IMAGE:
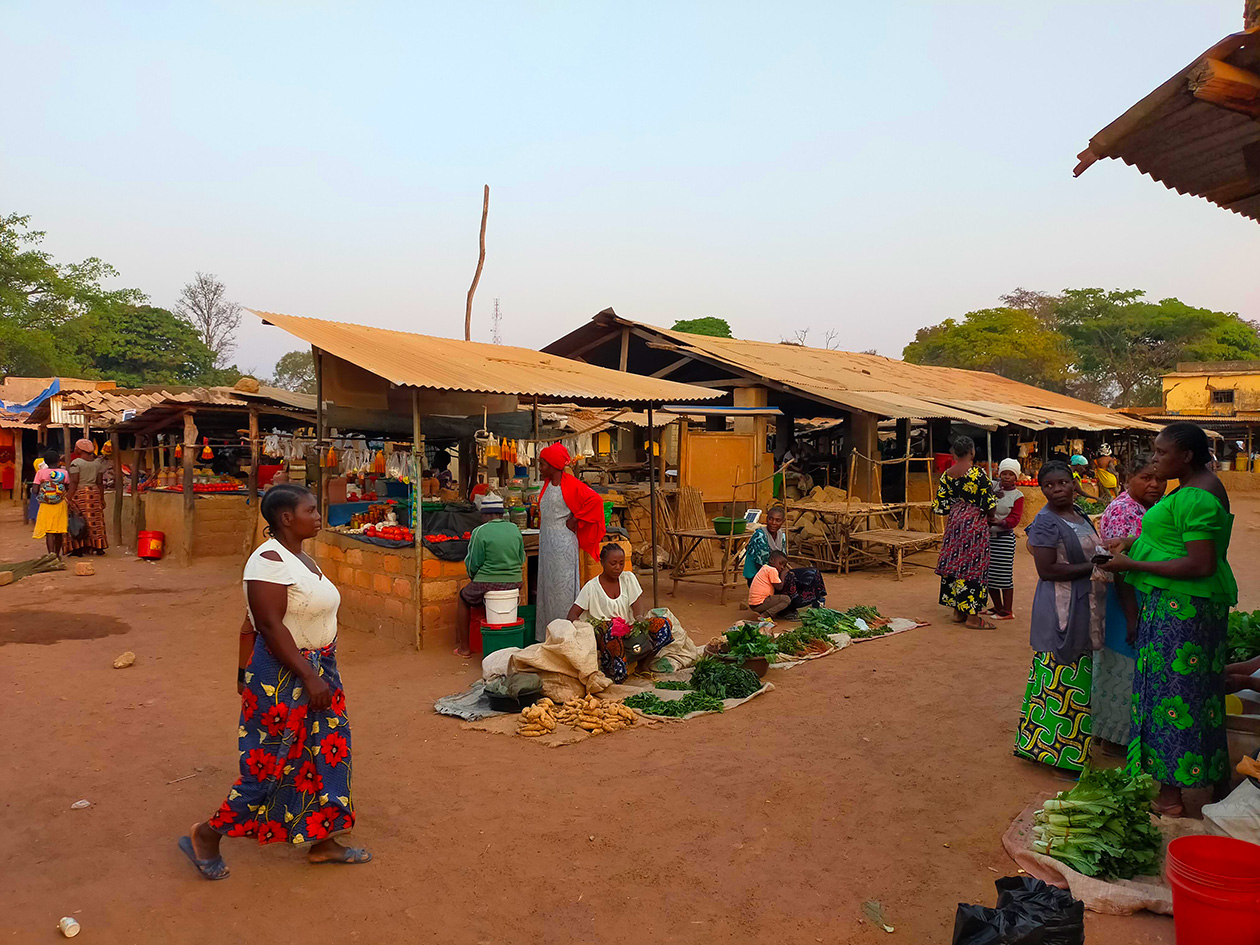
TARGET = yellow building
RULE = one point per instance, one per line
(1221, 396)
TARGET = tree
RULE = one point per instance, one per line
(295, 371)
(1123, 343)
(140, 345)
(39, 297)
(711, 326)
(1012, 342)
(203, 305)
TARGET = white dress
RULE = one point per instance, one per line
(557, 561)
(596, 603)
(311, 614)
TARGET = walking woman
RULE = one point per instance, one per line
(1111, 703)
(1179, 563)
(1055, 726)
(966, 496)
(294, 734)
(1008, 511)
(51, 518)
(571, 520)
(87, 499)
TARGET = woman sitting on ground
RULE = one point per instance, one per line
(1055, 725)
(616, 592)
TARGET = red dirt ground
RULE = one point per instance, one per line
(884, 772)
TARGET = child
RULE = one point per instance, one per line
(52, 519)
(1006, 516)
(765, 593)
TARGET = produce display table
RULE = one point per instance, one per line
(838, 522)
(688, 540)
(895, 542)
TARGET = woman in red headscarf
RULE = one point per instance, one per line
(571, 520)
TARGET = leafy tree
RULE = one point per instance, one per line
(1008, 341)
(38, 297)
(1124, 343)
(714, 327)
(204, 305)
(295, 371)
(140, 345)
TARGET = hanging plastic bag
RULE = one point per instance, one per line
(1029, 912)
(207, 454)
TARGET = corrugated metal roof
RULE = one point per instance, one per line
(1189, 145)
(108, 406)
(424, 361)
(891, 388)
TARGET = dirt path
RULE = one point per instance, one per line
(884, 772)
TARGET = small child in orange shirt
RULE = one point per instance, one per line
(765, 593)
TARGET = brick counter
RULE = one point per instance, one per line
(377, 589)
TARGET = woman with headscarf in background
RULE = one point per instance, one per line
(1006, 515)
(87, 500)
(1105, 473)
(966, 496)
(570, 521)
(50, 492)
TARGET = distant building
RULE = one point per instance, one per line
(1223, 397)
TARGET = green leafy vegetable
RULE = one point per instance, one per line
(745, 641)
(652, 704)
(1244, 636)
(1090, 506)
(1102, 826)
(803, 639)
(674, 684)
(724, 680)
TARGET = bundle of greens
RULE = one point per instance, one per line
(745, 641)
(1244, 636)
(807, 638)
(652, 704)
(834, 621)
(1102, 826)
(861, 611)
(674, 684)
(1090, 506)
(723, 680)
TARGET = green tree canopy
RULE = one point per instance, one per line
(714, 327)
(295, 371)
(1008, 341)
(140, 345)
(1106, 346)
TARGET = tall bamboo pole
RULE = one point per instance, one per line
(652, 503)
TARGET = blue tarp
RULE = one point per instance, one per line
(10, 407)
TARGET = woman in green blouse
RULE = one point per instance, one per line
(1179, 564)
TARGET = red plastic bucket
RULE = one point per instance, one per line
(1215, 890)
(150, 544)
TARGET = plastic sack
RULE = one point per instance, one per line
(1028, 912)
(514, 685)
(1237, 816)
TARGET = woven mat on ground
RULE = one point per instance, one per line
(1113, 897)
(568, 735)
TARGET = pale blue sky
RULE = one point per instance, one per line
(867, 167)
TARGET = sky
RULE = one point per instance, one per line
(867, 168)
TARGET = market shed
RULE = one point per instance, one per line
(420, 388)
(187, 461)
(760, 379)
(1198, 133)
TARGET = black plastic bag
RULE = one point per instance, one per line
(443, 532)
(1029, 912)
(76, 525)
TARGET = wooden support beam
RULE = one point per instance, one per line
(190, 453)
(671, 368)
(255, 457)
(116, 454)
(320, 426)
(417, 470)
(137, 509)
(1219, 83)
(625, 349)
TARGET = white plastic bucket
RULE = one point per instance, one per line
(501, 607)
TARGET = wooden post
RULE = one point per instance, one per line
(136, 509)
(652, 504)
(65, 443)
(417, 464)
(255, 457)
(536, 437)
(320, 447)
(624, 360)
(19, 461)
(116, 452)
(190, 453)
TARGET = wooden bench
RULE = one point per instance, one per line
(896, 542)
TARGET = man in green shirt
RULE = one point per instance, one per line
(495, 562)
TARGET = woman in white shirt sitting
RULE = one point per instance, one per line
(615, 593)
(294, 735)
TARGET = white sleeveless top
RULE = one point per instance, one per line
(311, 616)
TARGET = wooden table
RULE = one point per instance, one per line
(688, 540)
(897, 542)
(839, 521)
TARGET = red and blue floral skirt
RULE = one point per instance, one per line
(295, 763)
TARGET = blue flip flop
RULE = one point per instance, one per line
(210, 869)
(351, 857)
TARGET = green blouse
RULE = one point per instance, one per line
(1188, 514)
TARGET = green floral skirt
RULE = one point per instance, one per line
(1179, 691)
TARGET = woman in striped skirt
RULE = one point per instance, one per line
(1010, 509)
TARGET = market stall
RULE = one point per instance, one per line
(463, 399)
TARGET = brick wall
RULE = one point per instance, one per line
(377, 589)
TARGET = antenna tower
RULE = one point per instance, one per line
(495, 335)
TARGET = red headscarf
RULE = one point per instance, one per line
(583, 501)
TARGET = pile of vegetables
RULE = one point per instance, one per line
(1102, 826)
(805, 639)
(650, 703)
(723, 680)
(1091, 506)
(677, 684)
(822, 620)
(746, 641)
(1244, 636)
